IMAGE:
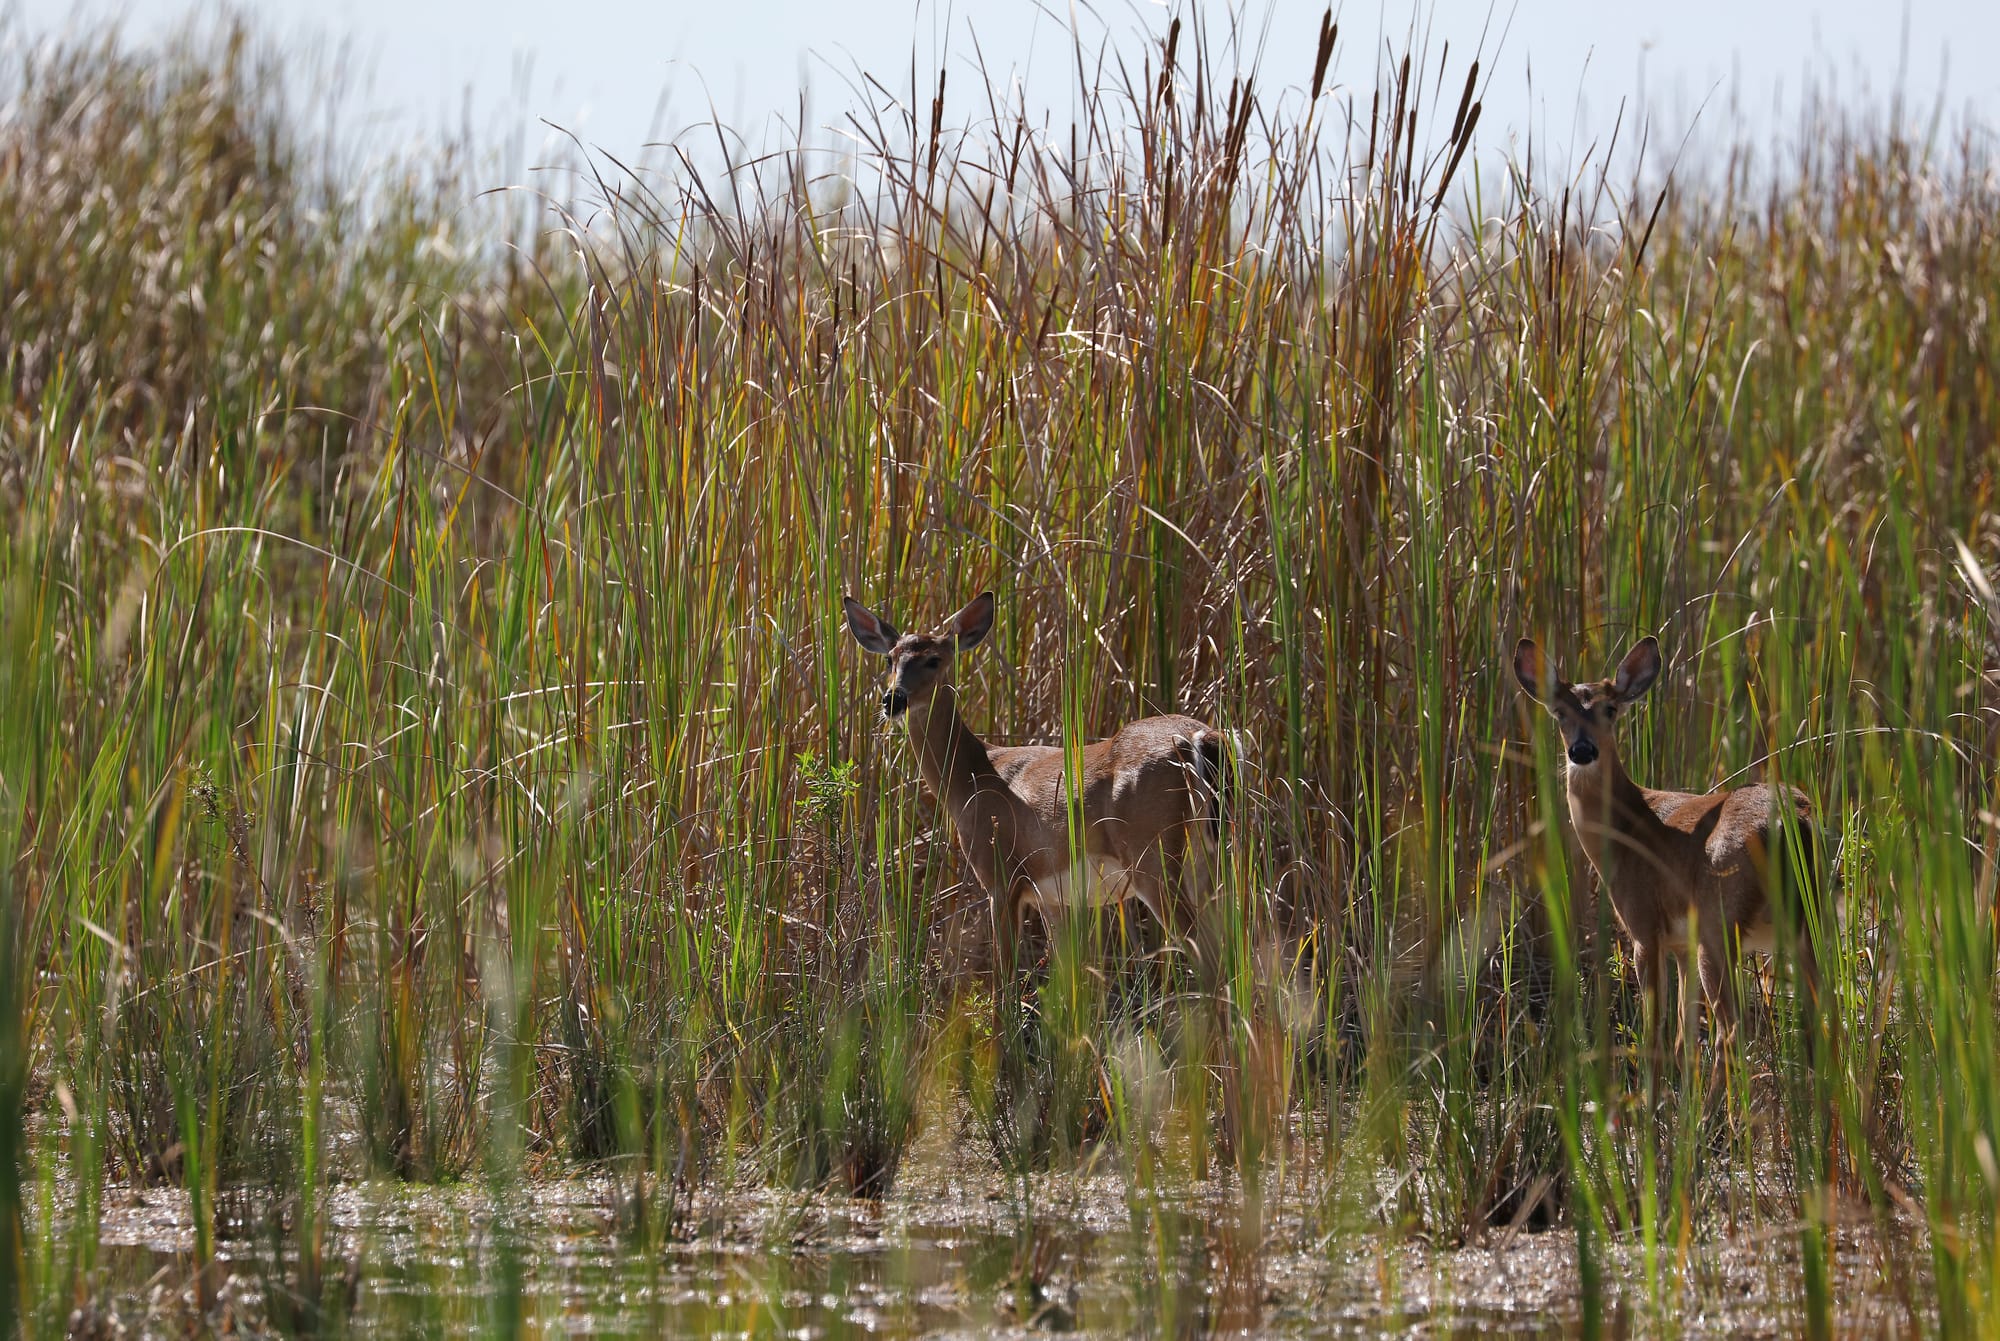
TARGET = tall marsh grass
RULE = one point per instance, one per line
(429, 748)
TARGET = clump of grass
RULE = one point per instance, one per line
(494, 598)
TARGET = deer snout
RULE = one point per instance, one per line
(1583, 751)
(894, 702)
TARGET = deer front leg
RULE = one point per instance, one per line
(1006, 911)
(1651, 967)
(1003, 902)
(1011, 1030)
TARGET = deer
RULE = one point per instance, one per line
(1151, 813)
(1708, 874)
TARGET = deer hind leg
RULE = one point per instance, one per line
(1819, 1041)
(1818, 1022)
(1796, 889)
(1718, 987)
(1146, 881)
(1718, 984)
(1173, 885)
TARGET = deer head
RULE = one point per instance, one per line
(1586, 712)
(919, 663)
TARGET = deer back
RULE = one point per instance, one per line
(1724, 853)
(1154, 783)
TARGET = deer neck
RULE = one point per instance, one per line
(1603, 800)
(952, 760)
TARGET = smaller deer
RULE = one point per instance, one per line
(1152, 793)
(1684, 871)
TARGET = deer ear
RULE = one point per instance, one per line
(1530, 669)
(877, 635)
(971, 625)
(1638, 670)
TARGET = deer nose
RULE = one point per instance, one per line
(894, 702)
(1584, 752)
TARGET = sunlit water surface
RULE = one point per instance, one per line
(955, 1250)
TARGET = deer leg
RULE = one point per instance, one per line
(1003, 902)
(1147, 879)
(1009, 1021)
(1006, 911)
(1687, 1002)
(1806, 990)
(1162, 883)
(1651, 967)
(1056, 925)
(1718, 988)
(1816, 1019)
(1197, 868)
(1006, 899)
(1718, 985)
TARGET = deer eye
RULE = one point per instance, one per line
(932, 662)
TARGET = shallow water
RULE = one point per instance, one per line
(956, 1250)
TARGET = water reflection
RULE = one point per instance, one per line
(944, 1256)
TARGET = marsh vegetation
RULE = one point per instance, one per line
(457, 878)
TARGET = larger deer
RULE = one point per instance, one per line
(1151, 810)
(1686, 872)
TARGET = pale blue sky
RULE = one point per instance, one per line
(616, 71)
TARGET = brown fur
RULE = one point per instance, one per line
(1151, 792)
(1685, 872)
